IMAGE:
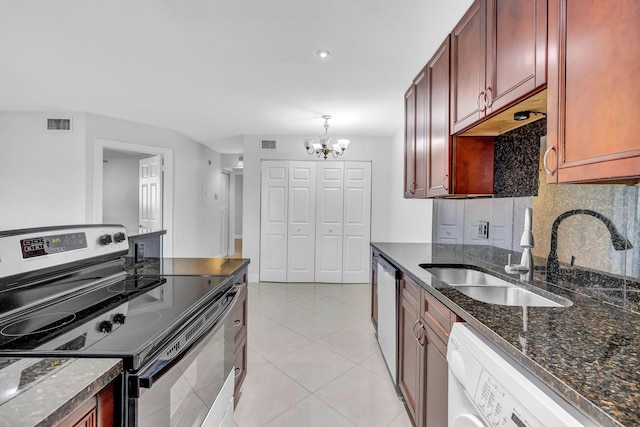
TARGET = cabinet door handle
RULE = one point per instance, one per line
(418, 332)
(415, 330)
(445, 180)
(544, 161)
(237, 322)
(481, 95)
(488, 98)
(412, 188)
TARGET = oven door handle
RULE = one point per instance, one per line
(187, 341)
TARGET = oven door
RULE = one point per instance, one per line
(183, 390)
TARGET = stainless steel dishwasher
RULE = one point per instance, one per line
(387, 289)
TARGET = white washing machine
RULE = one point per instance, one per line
(488, 388)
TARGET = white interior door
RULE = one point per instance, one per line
(302, 222)
(224, 214)
(273, 221)
(329, 222)
(150, 199)
(357, 222)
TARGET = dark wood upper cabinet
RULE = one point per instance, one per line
(516, 50)
(468, 67)
(438, 134)
(593, 91)
(498, 58)
(415, 106)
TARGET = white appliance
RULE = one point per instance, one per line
(387, 314)
(489, 388)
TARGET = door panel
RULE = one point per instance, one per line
(357, 222)
(329, 223)
(302, 221)
(468, 52)
(273, 221)
(150, 196)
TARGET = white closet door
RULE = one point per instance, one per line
(302, 222)
(329, 222)
(357, 222)
(273, 221)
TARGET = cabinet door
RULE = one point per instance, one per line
(435, 390)
(593, 90)
(374, 292)
(329, 222)
(301, 226)
(409, 142)
(516, 50)
(438, 123)
(468, 56)
(273, 221)
(357, 222)
(409, 355)
(421, 139)
(415, 164)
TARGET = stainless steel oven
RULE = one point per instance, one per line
(191, 380)
(65, 292)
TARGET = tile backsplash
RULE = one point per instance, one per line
(585, 250)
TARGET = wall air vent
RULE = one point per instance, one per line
(267, 144)
(59, 124)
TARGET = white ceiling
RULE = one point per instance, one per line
(216, 69)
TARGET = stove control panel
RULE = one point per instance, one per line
(53, 244)
(28, 250)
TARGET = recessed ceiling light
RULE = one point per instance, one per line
(322, 53)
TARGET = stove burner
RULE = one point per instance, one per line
(37, 324)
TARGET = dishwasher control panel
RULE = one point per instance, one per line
(498, 407)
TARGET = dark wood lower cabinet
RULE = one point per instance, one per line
(374, 290)
(435, 381)
(409, 354)
(98, 411)
(240, 320)
(423, 326)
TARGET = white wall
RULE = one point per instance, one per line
(374, 149)
(196, 214)
(46, 177)
(120, 192)
(42, 173)
(409, 219)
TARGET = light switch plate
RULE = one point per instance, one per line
(483, 229)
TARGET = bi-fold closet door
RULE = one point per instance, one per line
(315, 221)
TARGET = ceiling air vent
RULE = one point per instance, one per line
(267, 144)
(59, 124)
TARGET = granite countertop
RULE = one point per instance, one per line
(44, 391)
(139, 236)
(588, 352)
(187, 266)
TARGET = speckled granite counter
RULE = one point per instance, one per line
(589, 352)
(187, 266)
(44, 391)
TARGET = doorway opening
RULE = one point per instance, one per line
(133, 186)
(235, 213)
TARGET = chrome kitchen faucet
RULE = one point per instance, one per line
(525, 268)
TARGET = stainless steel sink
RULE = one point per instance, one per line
(493, 290)
(465, 277)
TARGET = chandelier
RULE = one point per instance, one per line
(323, 146)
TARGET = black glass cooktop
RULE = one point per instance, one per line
(116, 320)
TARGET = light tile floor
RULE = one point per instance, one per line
(313, 360)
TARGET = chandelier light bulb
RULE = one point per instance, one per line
(322, 53)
